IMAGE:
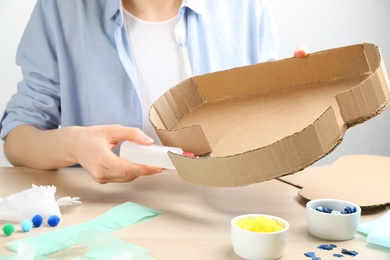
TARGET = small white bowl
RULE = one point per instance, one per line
(330, 226)
(259, 245)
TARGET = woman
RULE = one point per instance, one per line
(92, 69)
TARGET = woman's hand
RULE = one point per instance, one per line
(92, 150)
(91, 147)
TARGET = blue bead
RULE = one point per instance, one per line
(349, 210)
(310, 254)
(326, 210)
(326, 247)
(348, 252)
(323, 209)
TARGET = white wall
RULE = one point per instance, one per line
(328, 24)
(319, 25)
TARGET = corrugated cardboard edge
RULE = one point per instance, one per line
(280, 158)
(175, 103)
(371, 96)
(267, 162)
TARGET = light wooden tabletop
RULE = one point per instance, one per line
(195, 223)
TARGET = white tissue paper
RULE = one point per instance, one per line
(37, 200)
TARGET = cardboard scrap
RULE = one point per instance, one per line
(263, 121)
(361, 179)
(302, 178)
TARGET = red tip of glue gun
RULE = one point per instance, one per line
(188, 154)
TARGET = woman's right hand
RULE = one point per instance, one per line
(93, 151)
(91, 147)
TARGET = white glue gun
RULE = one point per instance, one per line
(153, 155)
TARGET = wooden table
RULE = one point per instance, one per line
(195, 223)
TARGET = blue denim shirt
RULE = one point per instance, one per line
(78, 66)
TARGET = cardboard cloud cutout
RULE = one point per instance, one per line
(263, 121)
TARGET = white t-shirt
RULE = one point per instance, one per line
(157, 59)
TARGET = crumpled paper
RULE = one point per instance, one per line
(37, 200)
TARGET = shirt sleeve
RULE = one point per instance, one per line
(37, 100)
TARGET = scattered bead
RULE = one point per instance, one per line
(37, 220)
(8, 229)
(309, 254)
(312, 255)
(327, 246)
(348, 252)
(26, 225)
(53, 221)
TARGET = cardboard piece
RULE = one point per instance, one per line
(302, 178)
(262, 121)
(361, 179)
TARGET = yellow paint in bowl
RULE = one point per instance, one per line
(260, 224)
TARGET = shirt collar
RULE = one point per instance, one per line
(195, 5)
(112, 8)
(115, 6)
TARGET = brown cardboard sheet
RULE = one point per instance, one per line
(302, 178)
(362, 179)
(263, 121)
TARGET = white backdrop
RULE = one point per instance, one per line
(325, 24)
(319, 25)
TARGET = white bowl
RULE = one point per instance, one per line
(259, 245)
(330, 226)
